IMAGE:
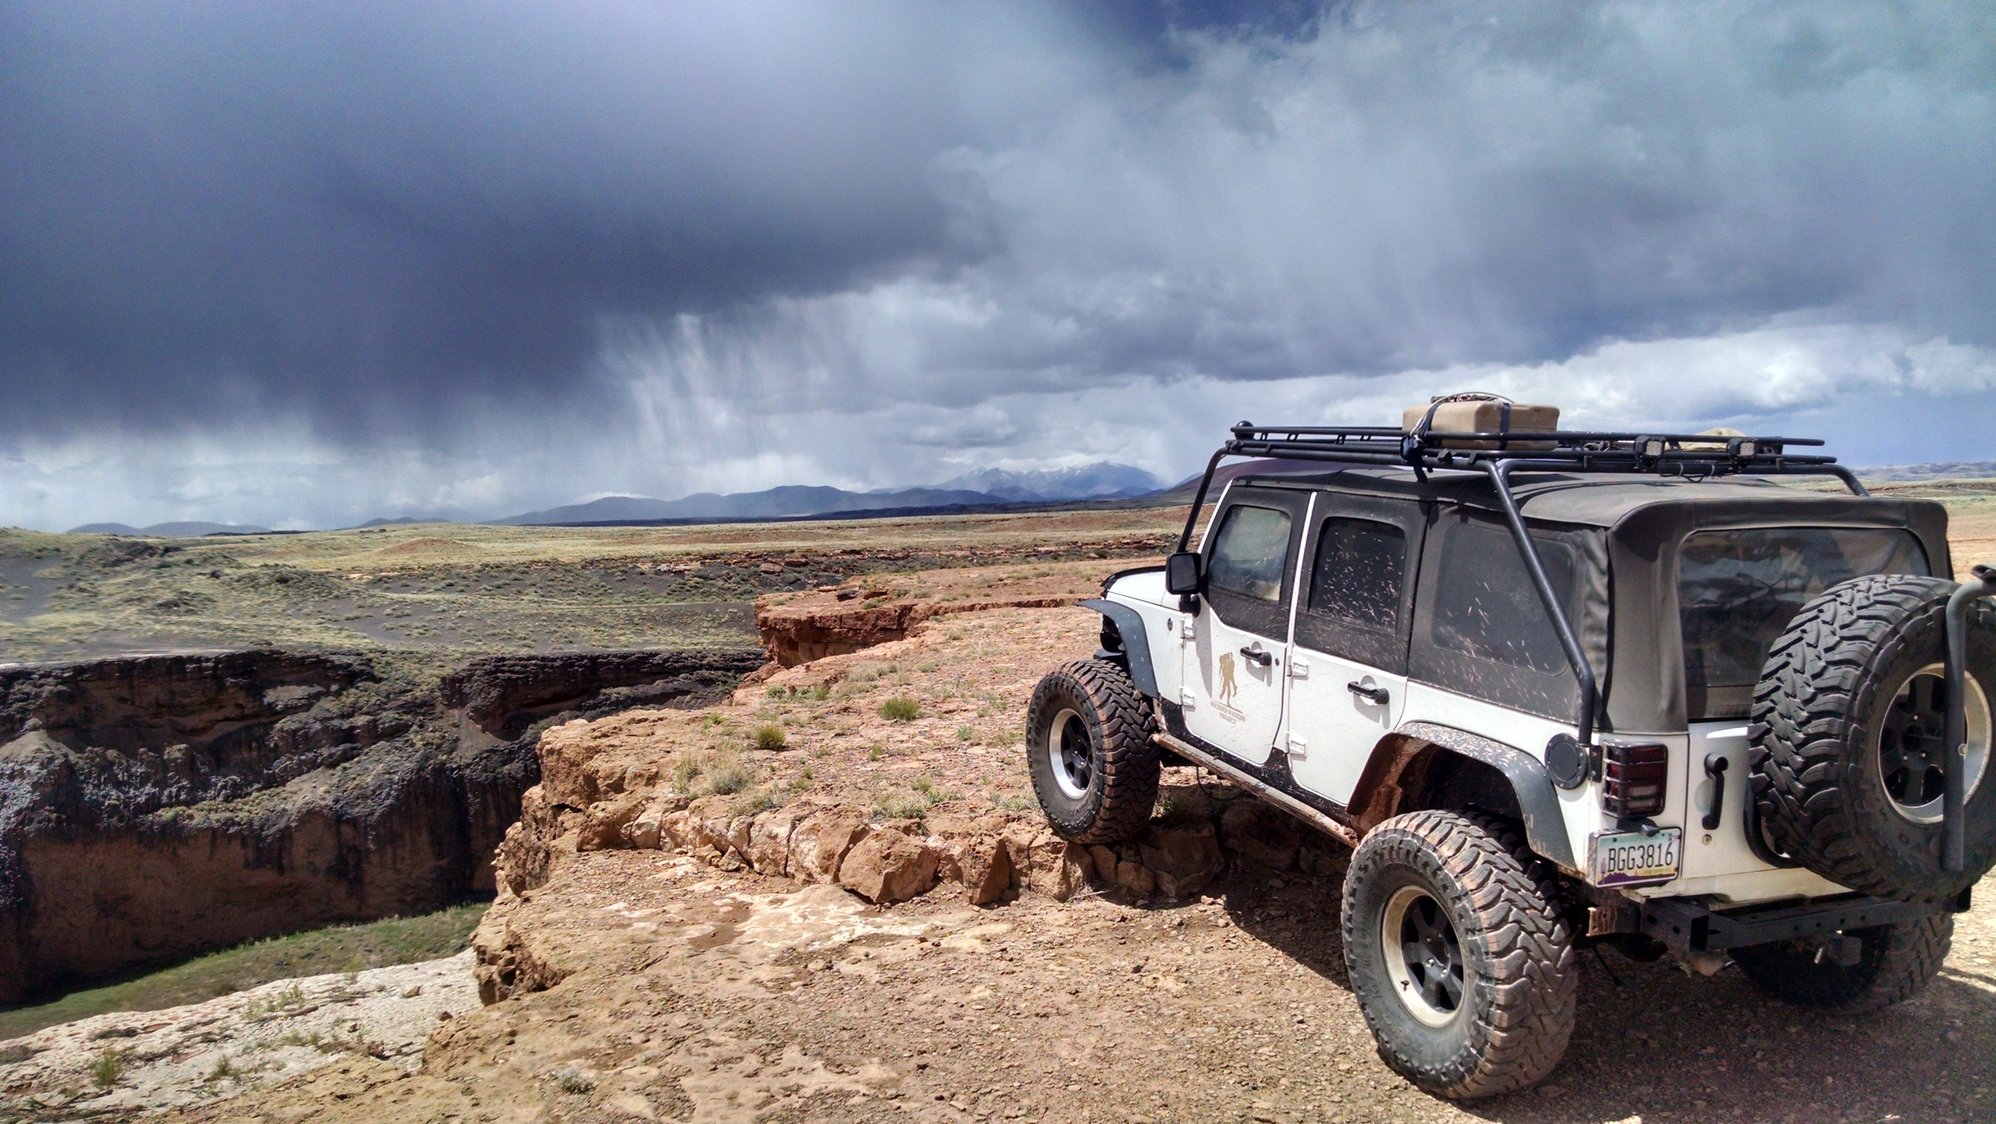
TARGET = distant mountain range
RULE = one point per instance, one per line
(183, 530)
(977, 489)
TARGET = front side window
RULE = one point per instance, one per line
(1251, 553)
(1737, 589)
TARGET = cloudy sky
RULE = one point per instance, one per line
(304, 266)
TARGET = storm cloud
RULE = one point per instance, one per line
(273, 264)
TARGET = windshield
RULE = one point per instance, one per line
(1737, 589)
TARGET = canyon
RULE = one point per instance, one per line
(155, 806)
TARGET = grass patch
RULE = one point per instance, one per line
(107, 1067)
(376, 944)
(900, 708)
(770, 736)
(914, 804)
(719, 774)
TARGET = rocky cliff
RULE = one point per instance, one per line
(159, 805)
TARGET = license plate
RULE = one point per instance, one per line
(1632, 858)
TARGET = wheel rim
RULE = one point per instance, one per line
(1071, 754)
(1423, 955)
(1912, 743)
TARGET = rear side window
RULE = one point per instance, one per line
(1357, 590)
(1485, 605)
(1251, 553)
(1737, 589)
(1355, 578)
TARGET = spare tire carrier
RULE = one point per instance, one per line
(1954, 796)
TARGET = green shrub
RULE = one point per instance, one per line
(900, 708)
(727, 775)
(770, 736)
(108, 1067)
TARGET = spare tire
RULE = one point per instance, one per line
(1848, 732)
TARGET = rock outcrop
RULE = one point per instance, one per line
(156, 806)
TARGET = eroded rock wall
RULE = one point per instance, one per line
(152, 807)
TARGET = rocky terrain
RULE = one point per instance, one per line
(117, 1065)
(159, 805)
(867, 921)
(830, 897)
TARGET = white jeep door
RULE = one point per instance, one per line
(1232, 697)
(1348, 665)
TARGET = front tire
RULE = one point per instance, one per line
(1458, 954)
(1895, 963)
(1089, 749)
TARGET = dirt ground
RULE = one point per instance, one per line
(711, 997)
(681, 992)
(698, 995)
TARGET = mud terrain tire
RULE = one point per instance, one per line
(1846, 738)
(1510, 951)
(1895, 963)
(1088, 746)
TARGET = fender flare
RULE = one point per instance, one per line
(1136, 644)
(1538, 800)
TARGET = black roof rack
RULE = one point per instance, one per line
(1695, 456)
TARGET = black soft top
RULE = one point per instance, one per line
(1637, 511)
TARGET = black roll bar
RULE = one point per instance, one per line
(1954, 797)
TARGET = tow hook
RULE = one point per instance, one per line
(1954, 796)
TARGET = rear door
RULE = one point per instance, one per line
(1234, 673)
(1348, 668)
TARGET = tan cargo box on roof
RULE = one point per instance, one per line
(1482, 415)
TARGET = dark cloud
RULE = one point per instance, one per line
(263, 206)
(443, 246)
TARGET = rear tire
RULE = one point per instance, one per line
(1458, 955)
(1088, 747)
(1895, 963)
(1847, 736)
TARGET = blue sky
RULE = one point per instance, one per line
(303, 268)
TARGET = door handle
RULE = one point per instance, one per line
(1255, 655)
(1374, 695)
(1715, 768)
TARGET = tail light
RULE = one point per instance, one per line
(1633, 778)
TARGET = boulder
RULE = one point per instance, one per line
(1260, 834)
(820, 842)
(888, 866)
(1135, 879)
(646, 830)
(603, 824)
(1182, 857)
(769, 841)
(1052, 866)
(984, 867)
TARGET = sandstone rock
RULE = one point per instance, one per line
(984, 867)
(1260, 834)
(716, 844)
(1135, 879)
(820, 842)
(769, 842)
(679, 831)
(888, 866)
(1182, 857)
(1055, 867)
(603, 824)
(643, 833)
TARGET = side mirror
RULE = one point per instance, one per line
(1181, 573)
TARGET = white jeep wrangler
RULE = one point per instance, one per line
(1557, 688)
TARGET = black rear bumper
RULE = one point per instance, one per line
(1690, 925)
